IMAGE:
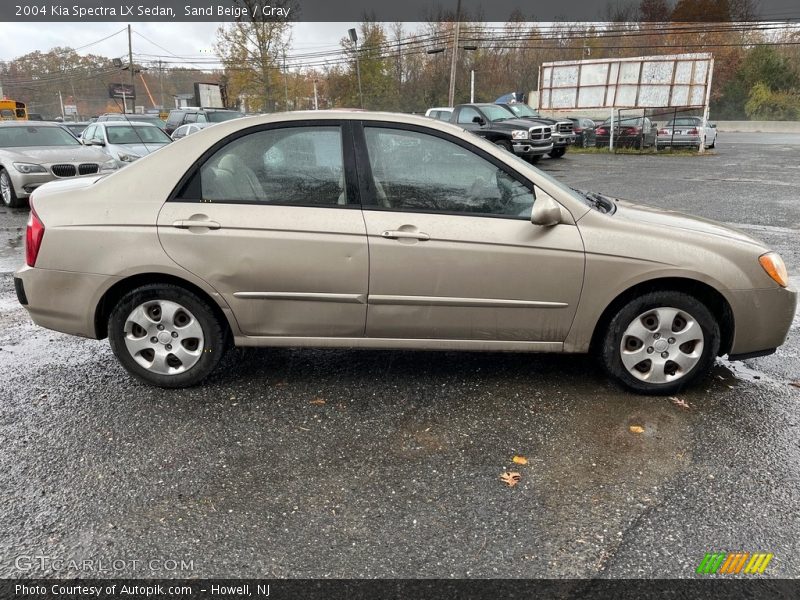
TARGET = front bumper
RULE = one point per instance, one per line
(529, 148)
(762, 318)
(25, 183)
(563, 139)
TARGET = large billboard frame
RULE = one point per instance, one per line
(662, 81)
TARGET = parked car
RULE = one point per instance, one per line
(529, 140)
(562, 130)
(33, 154)
(151, 118)
(125, 141)
(584, 129)
(33, 116)
(376, 230)
(688, 132)
(632, 132)
(189, 129)
(75, 128)
(442, 113)
(182, 116)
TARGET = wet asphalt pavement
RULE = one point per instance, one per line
(337, 463)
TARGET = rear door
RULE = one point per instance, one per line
(271, 219)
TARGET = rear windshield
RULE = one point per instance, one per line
(20, 137)
(136, 134)
(222, 115)
(691, 121)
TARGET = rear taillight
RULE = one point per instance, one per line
(33, 237)
(692, 131)
(664, 132)
(577, 130)
(602, 131)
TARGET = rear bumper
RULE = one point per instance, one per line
(678, 140)
(61, 300)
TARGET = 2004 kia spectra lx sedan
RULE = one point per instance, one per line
(356, 229)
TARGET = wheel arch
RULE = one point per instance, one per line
(113, 294)
(703, 292)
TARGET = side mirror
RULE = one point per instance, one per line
(478, 120)
(546, 212)
(713, 125)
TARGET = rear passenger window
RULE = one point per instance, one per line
(300, 166)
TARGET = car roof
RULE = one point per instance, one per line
(29, 124)
(126, 122)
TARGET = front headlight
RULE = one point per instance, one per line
(29, 168)
(124, 157)
(772, 263)
(519, 134)
(109, 165)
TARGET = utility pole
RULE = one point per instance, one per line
(472, 86)
(316, 101)
(161, 83)
(285, 82)
(454, 63)
(61, 102)
(130, 64)
(354, 38)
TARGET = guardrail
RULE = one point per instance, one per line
(758, 126)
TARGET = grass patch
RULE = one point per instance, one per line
(645, 152)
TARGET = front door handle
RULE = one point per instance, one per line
(399, 234)
(191, 223)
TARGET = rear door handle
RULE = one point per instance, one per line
(191, 223)
(399, 234)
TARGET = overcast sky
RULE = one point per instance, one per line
(183, 39)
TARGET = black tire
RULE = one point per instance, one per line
(557, 152)
(534, 159)
(714, 144)
(215, 333)
(10, 198)
(611, 351)
(505, 145)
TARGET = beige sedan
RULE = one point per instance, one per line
(370, 230)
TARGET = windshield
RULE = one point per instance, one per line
(494, 112)
(136, 134)
(20, 137)
(522, 110)
(223, 115)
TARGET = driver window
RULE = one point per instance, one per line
(467, 114)
(417, 172)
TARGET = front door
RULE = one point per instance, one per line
(453, 253)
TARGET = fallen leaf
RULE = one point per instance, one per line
(520, 460)
(680, 403)
(511, 478)
(317, 401)
(280, 383)
(795, 384)
(636, 429)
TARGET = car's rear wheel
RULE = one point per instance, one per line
(166, 335)
(7, 192)
(660, 342)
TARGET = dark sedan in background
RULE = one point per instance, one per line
(633, 132)
(584, 129)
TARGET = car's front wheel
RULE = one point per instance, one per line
(558, 152)
(660, 342)
(166, 335)
(7, 192)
